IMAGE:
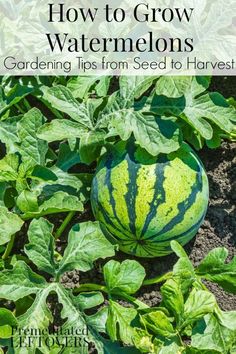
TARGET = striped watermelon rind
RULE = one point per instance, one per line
(145, 202)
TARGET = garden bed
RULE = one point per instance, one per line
(54, 252)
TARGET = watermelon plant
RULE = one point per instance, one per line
(127, 149)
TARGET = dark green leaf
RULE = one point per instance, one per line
(9, 168)
(60, 129)
(90, 146)
(209, 334)
(67, 158)
(89, 300)
(159, 324)
(40, 248)
(16, 94)
(32, 149)
(10, 223)
(120, 323)
(154, 134)
(62, 99)
(19, 282)
(43, 173)
(86, 243)
(172, 298)
(127, 276)
(198, 304)
(214, 268)
(7, 321)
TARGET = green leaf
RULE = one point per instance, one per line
(173, 347)
(186, 99)
(60, 202)
(32, 149)
(98, 320)
(127, 276)
(214, 268)
(62, 99)
(209, 334)
(3, 189)
(178, 249)
(103, 85)
(37, 317)
(8, 133)
(183, 270)
(67, 158)
(198, 304)
(60, 129)
(120, 323)
(86, 243)
(10, 223)
(154, 134)
(172, 298)
(208, 107)
(89, 300)
(75, 319)
(19, 282)
(215, 141)
(90, 146)
(227, 319)
(16, 94)
(9, 168)
(143, 341)
(191, 350)
(80, 86)
(43, 173)
(40, 248)
(133, 87)
(27, 202)
(177, 86)
(159, 324)
(114, 348)
(69, 183)
(7, 321)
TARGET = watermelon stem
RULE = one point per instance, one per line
(90, 287)
(9, 248)
(159, 279)
(132, 300)
(64, 225)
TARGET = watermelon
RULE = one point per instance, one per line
(145, 202)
